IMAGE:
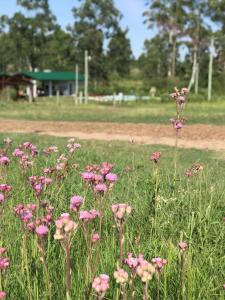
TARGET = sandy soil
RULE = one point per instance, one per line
(192, 136)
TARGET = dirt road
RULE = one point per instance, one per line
(192, 136)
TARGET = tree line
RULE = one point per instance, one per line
(190, 36)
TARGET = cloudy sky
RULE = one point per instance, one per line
(131, 9)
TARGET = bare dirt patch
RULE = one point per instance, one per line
(192, 136)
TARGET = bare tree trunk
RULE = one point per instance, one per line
(192, 80)
(211, 49)
(196, 78)
(171, 53)
(174, 56)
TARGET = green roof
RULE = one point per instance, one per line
(53, 75)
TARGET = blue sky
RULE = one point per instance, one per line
(132, 17)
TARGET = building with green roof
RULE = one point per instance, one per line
(53, 82)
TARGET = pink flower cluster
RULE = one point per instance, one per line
(4, 189)
(26, 213)
(145, 270)
(25, 161)
(86, 216)
(101, 284)
(4, 261)
(72, 146)
(195, 169)
(38, 183)
(100, 179)
(4, 160)
(2, 295)
(177, 123)
(4, 264)
(132, 262)
(155, 157)
(159, 263)
(50, 149)
(121, 276)
(180, 95)
(31, 148)
(183, 247)
(121, 211)
(76, 202)
(64, 227)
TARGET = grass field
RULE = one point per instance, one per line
(151, 112)
(192, 212)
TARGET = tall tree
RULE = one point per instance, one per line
(120, 53)
(169, 16)
(198, 32)
(95, 20)
(154, 62)
(29, 34)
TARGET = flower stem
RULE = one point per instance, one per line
(120, 245)
(146, 291)
(68, 270)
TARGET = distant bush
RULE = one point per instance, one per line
(8, 93)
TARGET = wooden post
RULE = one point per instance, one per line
(76, 85)
(114, 99)
(30, 94)
(196, 78)
(57, 97)
(81, 97)
(211, 49)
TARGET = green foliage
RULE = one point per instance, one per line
(119, 53)
(94, 21)
(8, 93)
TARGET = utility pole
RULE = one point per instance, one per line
(211, 50)
(76, 85)
(86, 60)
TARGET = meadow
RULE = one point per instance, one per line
(192, 212)
(134, 112)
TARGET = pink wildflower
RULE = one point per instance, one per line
(42, 231)
(121, 210)
(76, 202)
(2, 294)
(95, 237)
(4, 160)
(5, 187)
(145, 271)
(86, 216)
(101, 284)
(183, 247)
(2, 198)
(155, 156)
(87, 176)
(159, 263)
(121, 276)
(111, 177)
(101, 188)
(4, 263)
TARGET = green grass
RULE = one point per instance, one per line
(151, 112)
(192, 212)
